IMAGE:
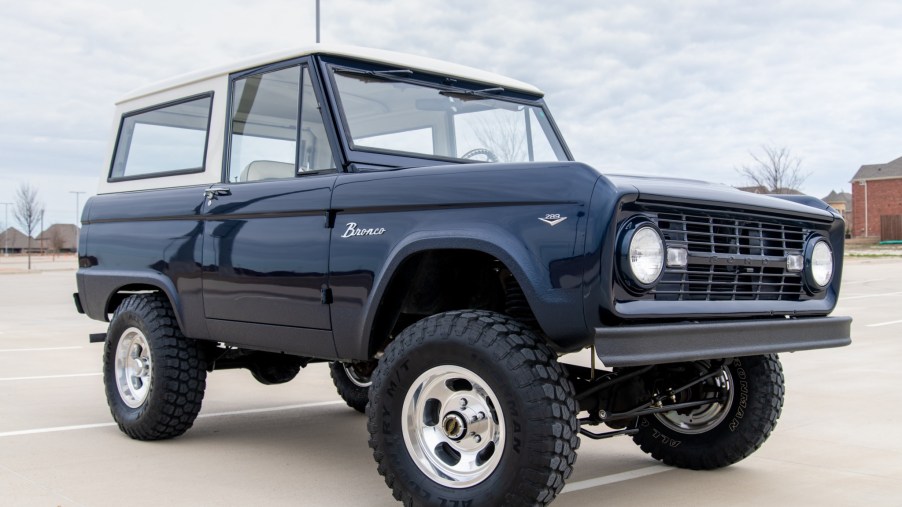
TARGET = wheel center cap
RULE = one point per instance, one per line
(454, 426)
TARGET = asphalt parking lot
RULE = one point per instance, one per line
(297, 444)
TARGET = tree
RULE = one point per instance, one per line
(28, 211)
(503, 134)
(776, 170)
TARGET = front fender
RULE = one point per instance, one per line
(557, 309)
(531, 217)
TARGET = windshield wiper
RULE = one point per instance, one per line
(385, 74)
(395, 72)
(473, 94)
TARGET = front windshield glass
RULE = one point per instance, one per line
(396, 116)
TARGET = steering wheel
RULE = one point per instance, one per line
(487, 153)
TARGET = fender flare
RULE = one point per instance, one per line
(101, 286)
(493, 241)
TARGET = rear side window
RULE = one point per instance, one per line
(164, 140)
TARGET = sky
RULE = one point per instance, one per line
(686, 89)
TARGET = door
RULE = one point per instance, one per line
(266, 244)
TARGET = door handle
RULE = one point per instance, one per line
(212, 192)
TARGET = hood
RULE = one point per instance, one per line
(678, 189)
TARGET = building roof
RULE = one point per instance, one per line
(879, 171)
(17, 239)
(67, 233)
(835, 197)
(372, 55)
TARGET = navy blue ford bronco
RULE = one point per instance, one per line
(423, 227)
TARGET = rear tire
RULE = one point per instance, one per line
(720, 434)
(352, 381)
(470, 408)
(154, 376)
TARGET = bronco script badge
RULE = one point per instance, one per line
(354, 231)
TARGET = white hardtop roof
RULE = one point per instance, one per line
(421, 63)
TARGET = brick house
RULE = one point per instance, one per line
(841, 202)
(876, 192)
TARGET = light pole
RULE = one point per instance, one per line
(6, 206)
(77, 230)
(317, 21)
(42, 234)
(77, 194)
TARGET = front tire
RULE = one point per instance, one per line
(470, 408)
(154, 377)
(722, 433)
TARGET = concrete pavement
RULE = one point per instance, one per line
(298, 444)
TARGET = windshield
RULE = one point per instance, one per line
(389, 115)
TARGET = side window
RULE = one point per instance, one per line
(316, 152)
(265, 140)
(264, 126)
(165, 140)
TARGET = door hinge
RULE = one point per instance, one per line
(327, 296)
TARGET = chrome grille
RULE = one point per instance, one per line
(733, 256)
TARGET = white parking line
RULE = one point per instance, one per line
(611, 479)
(856, 282)
(846, 298)
(51, 376)
(40, 349)
(273, 409)
(885, 323)
(215, 414)
(53, 430)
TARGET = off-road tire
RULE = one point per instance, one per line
(536, 402)
(177, 374)
(752, 416)
(355, 396)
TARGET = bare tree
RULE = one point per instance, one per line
(28, 211)
(776, 170)
(503, 134)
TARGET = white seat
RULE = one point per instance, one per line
(266, 170)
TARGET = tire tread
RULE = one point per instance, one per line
(182, 377)
(765, 404)
(534, 367)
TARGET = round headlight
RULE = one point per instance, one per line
(646, 255)
(821, 264)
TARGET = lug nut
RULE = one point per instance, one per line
(477, 438)
(463, 402)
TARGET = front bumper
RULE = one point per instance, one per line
(670, 343)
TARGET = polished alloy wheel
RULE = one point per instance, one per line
(133, 367)
(701, 419)
(357, 378)
(453, 426)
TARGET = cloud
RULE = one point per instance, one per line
(653, 87)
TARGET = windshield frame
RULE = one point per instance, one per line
(372, 158)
